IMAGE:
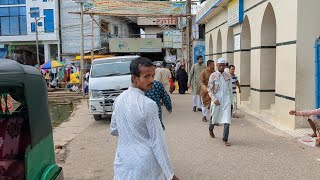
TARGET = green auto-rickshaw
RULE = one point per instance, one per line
(26, 141)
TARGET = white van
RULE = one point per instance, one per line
(109, 77)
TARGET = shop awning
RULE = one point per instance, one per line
(87, 58)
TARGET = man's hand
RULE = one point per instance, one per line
(216, 102)
(175, 177)
(292, 112)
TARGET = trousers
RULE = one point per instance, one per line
(196, 101)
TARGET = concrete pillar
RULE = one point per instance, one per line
(268, 77)
(242, 65)
(47, 52)
(230, 58)
(243, 71)
(59, 52)
(255, 80)
(263, 68)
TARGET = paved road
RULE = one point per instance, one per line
(258, 150)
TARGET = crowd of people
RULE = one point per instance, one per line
(67, 77)
(141, 134)
(142, 151)
(214, 93)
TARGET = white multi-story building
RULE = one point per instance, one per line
(18, 29)
(104, 28)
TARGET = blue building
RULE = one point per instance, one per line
(18, 29)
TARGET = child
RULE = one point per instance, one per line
(313, 120)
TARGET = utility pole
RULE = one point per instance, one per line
(37, 39)
(189, 34)
(182, 34)
(92, 38)
(81, 2)
(36, 19)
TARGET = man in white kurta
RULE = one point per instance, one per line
(142, 151)
(194, 83)
(220, 91)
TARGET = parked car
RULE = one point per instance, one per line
(109, 77)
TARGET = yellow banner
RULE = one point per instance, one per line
(135, 7)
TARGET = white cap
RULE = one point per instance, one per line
(221, 61)
(158, 65)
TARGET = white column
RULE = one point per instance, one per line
(47, 52)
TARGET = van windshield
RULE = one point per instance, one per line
(105, 69)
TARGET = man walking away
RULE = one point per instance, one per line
(158, 93)
(235, 84)
(142, 151)
(194, 82)
(220, 91)
(157, 75)
(205, 98)
(182, 78)
(163, 75)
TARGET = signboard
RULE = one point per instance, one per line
(235, 12)
(144, 21)
(172, 39)
(136, 7)
(199, 48)
(237, 42)
(125, 45)
(150, 44)
(166, 21)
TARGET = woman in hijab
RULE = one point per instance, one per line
(182, 78)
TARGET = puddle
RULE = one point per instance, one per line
(59, 113)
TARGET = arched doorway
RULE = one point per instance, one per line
(219, 45)
(245, 60)
(268, 58)
(230, 46)
(210, 48)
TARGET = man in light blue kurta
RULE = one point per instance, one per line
(220, 91)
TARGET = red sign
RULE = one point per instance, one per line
(167, 21)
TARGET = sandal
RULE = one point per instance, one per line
(204, 119)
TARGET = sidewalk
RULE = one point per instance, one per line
(296, 133)
(79, 120)
(258, 151)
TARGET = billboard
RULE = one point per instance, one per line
(172, 39)
(235, 12)
(136, 7)
(125, 45)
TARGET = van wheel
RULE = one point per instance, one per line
(97, 117)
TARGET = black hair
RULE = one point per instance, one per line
(164, 64)
(200, 56)
(231, 66)
(227, 64)
(209, 62)
(137, 63)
